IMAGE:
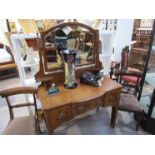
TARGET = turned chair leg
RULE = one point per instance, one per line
(139, 118)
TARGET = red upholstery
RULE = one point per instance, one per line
(131, 79)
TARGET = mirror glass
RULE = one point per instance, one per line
(71, 38)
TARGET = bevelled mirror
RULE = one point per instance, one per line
(69, 36)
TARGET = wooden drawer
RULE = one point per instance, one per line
(79, 108)
(60, 115)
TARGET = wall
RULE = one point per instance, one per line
(123, 36)
(28, 25)
(3, 29)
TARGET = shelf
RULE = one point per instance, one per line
(31, 82)
(24, 36)
(7, 66)
(26, 64)
(144, 35)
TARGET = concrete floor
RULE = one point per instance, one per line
(90, 123)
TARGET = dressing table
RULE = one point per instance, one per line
(68, 103)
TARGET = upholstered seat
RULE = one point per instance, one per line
(21, 126)
(131, 79)
(128, 101)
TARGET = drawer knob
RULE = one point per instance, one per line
(112, 98)
(62, 115)
(81, 108)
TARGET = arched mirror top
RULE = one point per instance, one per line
(73, 36)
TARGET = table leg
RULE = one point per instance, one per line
(114, 116)
(48, 122)
(115, 108)
(50, 131)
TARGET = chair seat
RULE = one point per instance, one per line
(129, 103)
(130, 79)
(21, 126)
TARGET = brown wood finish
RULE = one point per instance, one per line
(69, 103)
(71, 24)
(60, 71)
(139, 52)
(127, 72)
(18, 90)
(31, 42)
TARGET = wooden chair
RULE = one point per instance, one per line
(128, 100)
(27, 125)
(128, 76)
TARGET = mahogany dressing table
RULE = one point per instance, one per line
(68, 103)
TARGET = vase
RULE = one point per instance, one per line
(69, 61)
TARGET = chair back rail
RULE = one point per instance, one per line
(16, 91)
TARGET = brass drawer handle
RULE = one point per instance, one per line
(81, 108)
(62, 115)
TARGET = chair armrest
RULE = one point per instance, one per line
(18, 90)
(115, 65)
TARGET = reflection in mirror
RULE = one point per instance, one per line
(79, 39)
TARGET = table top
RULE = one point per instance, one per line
(82, 93)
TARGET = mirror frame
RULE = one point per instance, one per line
(44, 71)
(43, 34)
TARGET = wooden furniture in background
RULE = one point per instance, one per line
(25, 125)
(140, 48)
(32, 42)
(139, 52)
(135, 27)
(142, 40)
(51, 54)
